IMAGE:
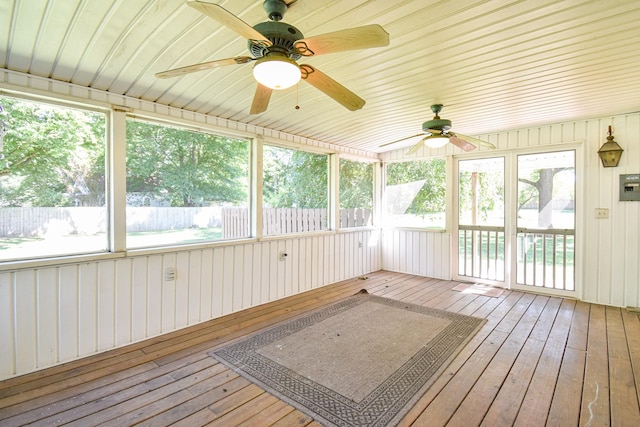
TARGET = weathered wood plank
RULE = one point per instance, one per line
(595, 408)
(471, 411)
(537, 360)
(625, 410)
(536, 403)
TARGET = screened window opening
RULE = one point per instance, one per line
(53, 199)
(546, 220)
(184, 186)
(356, 193)
(415, 194)
(295, 191)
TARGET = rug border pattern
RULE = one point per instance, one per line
(385, 403)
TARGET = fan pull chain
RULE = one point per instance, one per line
(297, 103)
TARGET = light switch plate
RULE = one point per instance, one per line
(602, 213)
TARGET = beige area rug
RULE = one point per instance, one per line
(479, 289)
(363, 361)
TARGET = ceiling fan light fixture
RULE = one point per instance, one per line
(436, 141)
(276, 71)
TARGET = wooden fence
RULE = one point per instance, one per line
(39, 221)
(235, 221)
(32, 222)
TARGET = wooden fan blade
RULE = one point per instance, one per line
(416, 147)
(340, 41)
(401, 139)
(229, 20)
(476, 141)
(332, 88)
(260, 99)
(461, 143)
(203, 66)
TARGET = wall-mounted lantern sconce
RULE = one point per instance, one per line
(610, 152)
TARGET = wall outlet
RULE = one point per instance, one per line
(169, 274)
(602, 213)
(283, 256)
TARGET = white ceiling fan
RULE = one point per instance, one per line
(276, 46)
(437, 133)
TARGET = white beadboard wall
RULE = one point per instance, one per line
(424, 253)
(609, 261)
(56, 314)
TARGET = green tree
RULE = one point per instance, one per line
(356, 184)
(295, 178)
(53, 156)
(432, 195)
(484, 188)
(185, 168)
(540, 187)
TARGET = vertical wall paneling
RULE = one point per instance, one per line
(206, 283)
(51, 328)
(425, 262)
(290, 266)
(123, 302)
(139, 292)
(155, 295)
(26, 333)
(218, 270)
(195, 287)
(293, 266)
(106, 305)
(322, 274)
(426, 253)
(406, 260)
(256, 274)
(355, 248)
(247, 278)
(597, 235)
(339, 262)
(237, 281)
(630, 139)
(327, 256)
(308, 260)
(347, 242)
(415, 252)
(68, 296)
(7, 325)
(182, 284)
(278, 273)
(88, 309)
(315, 261)
(168, 294)
(267, 270)
(620, 226)
(397, 249)
(361, 249)
(228, 287)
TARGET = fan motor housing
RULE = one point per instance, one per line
(282, 35)
(442, 125)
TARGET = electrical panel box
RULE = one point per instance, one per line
(630, 187)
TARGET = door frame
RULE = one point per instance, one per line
(510, 216)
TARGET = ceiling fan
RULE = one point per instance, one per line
(437, 133)
(276, 46)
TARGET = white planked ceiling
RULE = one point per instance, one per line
(495, 64)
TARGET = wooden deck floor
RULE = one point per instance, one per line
(538, 361)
